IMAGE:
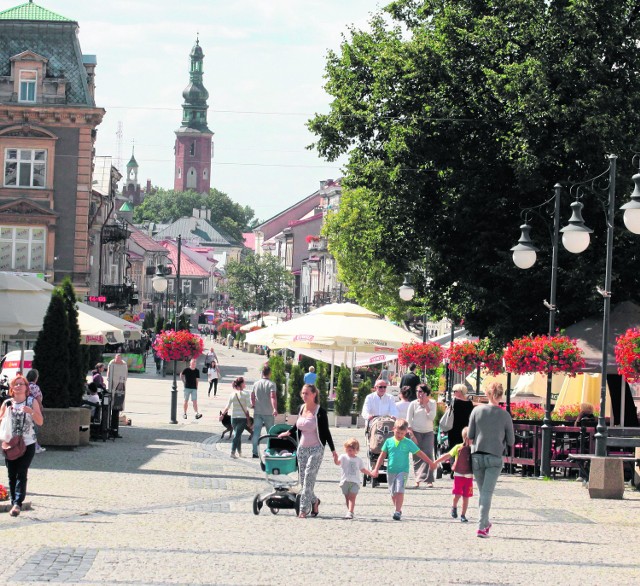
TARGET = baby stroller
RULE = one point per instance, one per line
(378, 430)
(280, 463)
(442, 447)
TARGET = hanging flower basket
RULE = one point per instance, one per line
(181, 345)
(544, 354)
(491, 362)
(464, 357)
(628, 354)
(426, 356)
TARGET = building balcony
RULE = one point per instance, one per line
(114, 233)
(319, 245)
(119, 296)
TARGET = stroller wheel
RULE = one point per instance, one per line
(274, 510)
(257, 505)
(297, 504)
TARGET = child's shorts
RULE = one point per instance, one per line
(350, 488)
(396, 482)
(462, 486)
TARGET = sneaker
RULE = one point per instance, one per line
(15, 510)
(454, 513)
(463, 519)
(483, 533)
(233, 455)
(397, 515)
(255, 456)
(40, 449)
(349, 515)
(184, 416)
(488, 527)
(198, 415)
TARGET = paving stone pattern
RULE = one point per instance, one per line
(56, 565)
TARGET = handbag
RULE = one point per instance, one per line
(246, 413)
(6, 426)
(205, 369)
(15, 447)
(446, 421)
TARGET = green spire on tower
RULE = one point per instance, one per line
(194, 108)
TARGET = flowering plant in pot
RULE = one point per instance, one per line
(181, 345)
(463, 357)
(311, 238)
(546, 354)
(527, 410)
(570, 412)
(426, 355)
(627, 352)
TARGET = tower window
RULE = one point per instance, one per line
(192, 148)
(204, 174)
(179, 173)
(192, 178)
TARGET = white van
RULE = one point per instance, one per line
(11, 363)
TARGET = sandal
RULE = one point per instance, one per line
(316, 506)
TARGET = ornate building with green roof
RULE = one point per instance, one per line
(48, 121)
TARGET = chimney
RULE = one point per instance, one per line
(148, 191)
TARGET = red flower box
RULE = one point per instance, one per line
(544, 354)
(464, 357)
(181, 345)
(426, 355)
(628, 355)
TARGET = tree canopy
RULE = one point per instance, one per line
(164, 206)
(259, 282)
(457, 115)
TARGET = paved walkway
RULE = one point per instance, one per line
(166, 505)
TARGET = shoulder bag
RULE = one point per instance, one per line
(446, 421)
(246, 414)
(15, 447)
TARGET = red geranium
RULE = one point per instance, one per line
(526, 410)
(463, 357)
(628, 354)
(426, 355)
(181, 345)
(544, 354)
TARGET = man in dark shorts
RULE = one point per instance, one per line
(190, 376)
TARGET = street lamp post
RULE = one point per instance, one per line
(575, 238)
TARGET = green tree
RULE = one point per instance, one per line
(51, 354)
(77, 361)
(296, 381)
(159, 324)
(259, 282)
(364, 388)
(321, 383)
(149, 320)
(276, 362)
(344, 392)
(456, 115)
(164, 206)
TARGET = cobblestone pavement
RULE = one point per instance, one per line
(165, 505)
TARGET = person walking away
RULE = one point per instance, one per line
(384, 374)
(230, 339)
(211, 357)
(412, 380)
(311, 376)
(190, 377)
(462, 475)
(117, 373)
(239, 404)
(462, 407)
(403, 404)
(24, 412)
(350, 477)
(264, 401)
(213, 374)
(420, 416)
(491, 431)
(36, 393)
(312, 431)
(398, 449)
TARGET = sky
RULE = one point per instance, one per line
(264, 65)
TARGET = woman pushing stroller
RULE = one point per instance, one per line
(312, 431)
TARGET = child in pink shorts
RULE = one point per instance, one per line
(462, 475)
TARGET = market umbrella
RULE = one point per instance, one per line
(130, 330)
(583, 388)
(267, 320)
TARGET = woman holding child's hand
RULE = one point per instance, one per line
(312, 432)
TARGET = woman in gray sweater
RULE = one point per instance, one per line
(491, 431)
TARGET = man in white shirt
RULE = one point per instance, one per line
(379, 403)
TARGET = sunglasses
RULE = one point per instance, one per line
(381, 386)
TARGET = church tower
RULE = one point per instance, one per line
(193, 138)
(131, 188)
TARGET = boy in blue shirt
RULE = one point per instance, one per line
(398, 448)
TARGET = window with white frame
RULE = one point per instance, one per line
(25, 167)
(22, 248)
(28, 80)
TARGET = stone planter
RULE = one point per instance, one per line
(344, 421)
(331, 416)
(360, 422)
(61, 427)
(180, 366)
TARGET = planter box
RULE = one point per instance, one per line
(180, 366)
(331, 416)
(61, 427)
(360, 422)
(344, 421)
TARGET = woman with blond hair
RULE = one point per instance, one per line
(462, 407)
(491, 431)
